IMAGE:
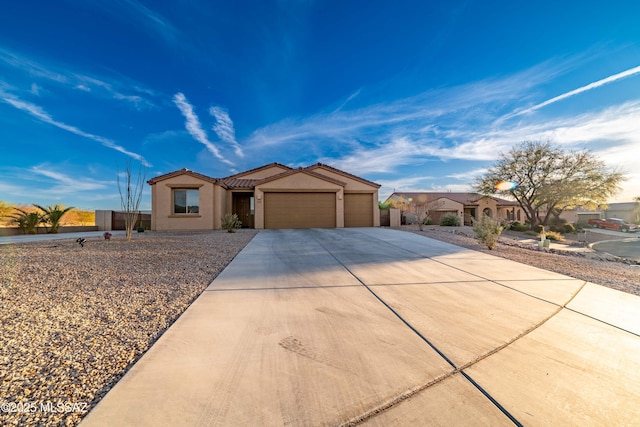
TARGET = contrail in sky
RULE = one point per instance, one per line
(610, 79)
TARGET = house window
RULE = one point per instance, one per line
(186, 201)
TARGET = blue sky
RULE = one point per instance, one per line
(414, 95)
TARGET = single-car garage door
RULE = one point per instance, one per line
(299, 210)
(358, 210)
(436, 216)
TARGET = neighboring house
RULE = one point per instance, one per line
(629, 212)
(465, 205)
(271, 196)
(580, 216)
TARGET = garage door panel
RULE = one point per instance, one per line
(358, 210)
(299, 210)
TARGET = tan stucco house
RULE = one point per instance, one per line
(465, 205)
(271, 196)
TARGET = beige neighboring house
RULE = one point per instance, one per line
(464, 205)
(629, 212)
(271, 196)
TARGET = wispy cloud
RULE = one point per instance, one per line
(455, 123)
(46, 184)
(152, 20)
(628, 73)
(468, 175)
(66, 184)
(224, 129)
(120, 90)
(35, 89)
(31, 67)
(192, 124)
(410, 115)
(346, 101)
(37, 112)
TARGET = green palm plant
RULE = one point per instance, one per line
(27, 221)
(53, 215)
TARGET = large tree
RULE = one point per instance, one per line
(545, 180)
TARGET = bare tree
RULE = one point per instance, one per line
(130, 196)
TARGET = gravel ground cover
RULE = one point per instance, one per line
(74, 319)
(602, 269)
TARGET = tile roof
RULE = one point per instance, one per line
(468, 199)
(341, 172)
(301, 170)
(259, 168)
(239, 182)
(183, 171)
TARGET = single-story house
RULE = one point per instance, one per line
(465, 205)
(271, 196)
(629, 212)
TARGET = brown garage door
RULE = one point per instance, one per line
(358, 210)
(436, 216)
(299, 210)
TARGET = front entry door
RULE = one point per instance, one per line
(243, 207)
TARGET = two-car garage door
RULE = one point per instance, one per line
(299, 210)
(316, 210)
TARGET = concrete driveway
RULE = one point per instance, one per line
(383, 327)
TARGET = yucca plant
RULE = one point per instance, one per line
(27, 222)
(52, 215)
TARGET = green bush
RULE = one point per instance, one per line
(558, 225)
(516, 226)
(487, 231)
(555, 236)
(569, 229)
(231, 222)
(450, 220)
(538, 228)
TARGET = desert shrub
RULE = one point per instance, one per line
(553, 235)
(487, 231)
(568, 229)
(450, 220)
(231, 222)
(557, 224)
(538, 228)
(516, 226)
